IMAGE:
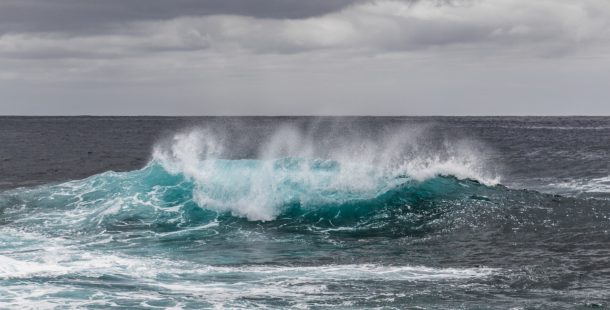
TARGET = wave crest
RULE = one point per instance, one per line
(293, 168)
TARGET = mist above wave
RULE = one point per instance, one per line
(313, 168)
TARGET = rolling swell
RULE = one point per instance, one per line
(289, 194)
(388, 185)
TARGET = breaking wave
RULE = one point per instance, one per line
(192, 177)
(293, 170)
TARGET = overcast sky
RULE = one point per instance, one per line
(305, 57)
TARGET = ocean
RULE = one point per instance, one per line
(305, 212)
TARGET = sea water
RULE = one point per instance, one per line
(391, 213)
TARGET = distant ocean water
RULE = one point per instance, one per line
(304, 212)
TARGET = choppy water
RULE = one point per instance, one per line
(433, 213)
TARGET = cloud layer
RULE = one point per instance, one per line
(188, 42)
(93, 16)
(543, 27)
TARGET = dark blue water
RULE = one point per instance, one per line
(191, 213)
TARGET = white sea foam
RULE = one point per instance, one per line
(35, 255)
(356, 272)
(218, 285)
(63, 261)
(52, 263)
(596, 185)
(172, 281)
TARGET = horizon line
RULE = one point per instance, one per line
(303, 115)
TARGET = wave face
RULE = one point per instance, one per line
(192, 179)
(298, 222)
(314, 193)
(293, 172)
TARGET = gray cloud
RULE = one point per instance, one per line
(542, 28)
(304, 57)
(94, 16)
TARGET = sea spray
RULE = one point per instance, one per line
(292, 167)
